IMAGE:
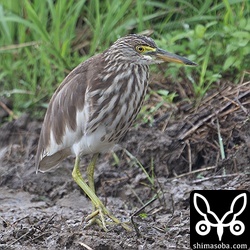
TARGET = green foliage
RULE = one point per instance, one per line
(106, 20)
(35, 48)
(41, 41)
(220, 45)
(143, 215)
(147, 112)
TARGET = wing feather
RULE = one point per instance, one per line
(60, 129)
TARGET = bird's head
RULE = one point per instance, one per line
(143, 50)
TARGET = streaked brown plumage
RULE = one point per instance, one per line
(95, 105)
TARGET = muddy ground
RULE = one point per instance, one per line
(179, 151)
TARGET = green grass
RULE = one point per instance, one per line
(41, 41)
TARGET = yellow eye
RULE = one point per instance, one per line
(140, 49)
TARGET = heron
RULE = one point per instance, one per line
(93, 108)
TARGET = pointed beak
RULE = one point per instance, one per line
(164, 56)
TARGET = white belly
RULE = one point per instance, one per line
(92, 143)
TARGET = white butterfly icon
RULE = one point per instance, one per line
(203, 227)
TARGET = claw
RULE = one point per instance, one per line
(92, 219)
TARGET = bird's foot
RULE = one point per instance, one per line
(98, 217)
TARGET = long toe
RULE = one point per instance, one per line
(103, 217)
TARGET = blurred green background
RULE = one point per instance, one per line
(42, 40)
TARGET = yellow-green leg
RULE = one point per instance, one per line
(91, 170)
(89, 190)
(91, 183)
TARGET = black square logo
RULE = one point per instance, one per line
(220, 219)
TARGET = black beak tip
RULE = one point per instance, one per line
(190, 63)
